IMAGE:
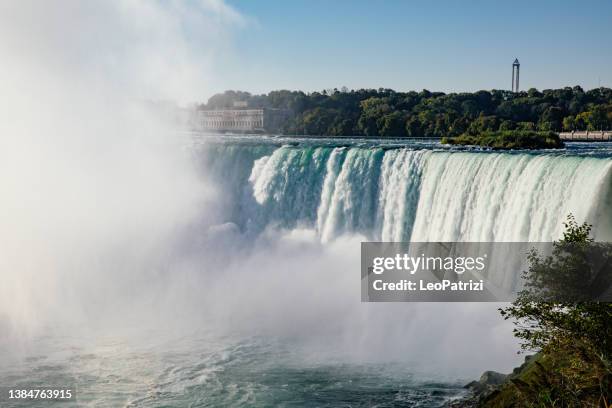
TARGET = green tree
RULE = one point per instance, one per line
(598, 120)
(551, 119)
(534, 93)
(564, 311)
(582, 120)
(526, 126)
(414, 127)
(393, 125)
(372, 110)
(341, 127)
(507, 125)
(483, 124)
(568, 123)
(558, 303)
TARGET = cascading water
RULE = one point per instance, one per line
(400, 182)
(507, 197)
(400, 194)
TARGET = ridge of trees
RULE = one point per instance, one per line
(387, 113)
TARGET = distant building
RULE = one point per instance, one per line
(516, 66)
(262, 120)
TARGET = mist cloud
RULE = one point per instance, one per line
(93, 185)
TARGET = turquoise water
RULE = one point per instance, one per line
(197, 371)
(394, 190)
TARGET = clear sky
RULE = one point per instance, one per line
(411, 45)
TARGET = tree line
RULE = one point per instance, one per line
(387, 113)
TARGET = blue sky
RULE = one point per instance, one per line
(411, 45)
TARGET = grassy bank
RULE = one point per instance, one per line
(509, 139)
(570, 375)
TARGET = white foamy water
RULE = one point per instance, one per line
(423, 195)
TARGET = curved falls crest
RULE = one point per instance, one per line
(404, 194)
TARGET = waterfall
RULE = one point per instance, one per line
(400, 194)
(505, 197)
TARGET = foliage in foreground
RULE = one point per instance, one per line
(509, 139)
(556, 315)
(569, 374)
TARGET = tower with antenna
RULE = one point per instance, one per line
(516, 66)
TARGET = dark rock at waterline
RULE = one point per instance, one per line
(488, 380)
(488, 386)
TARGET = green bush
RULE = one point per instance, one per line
(509, 139)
